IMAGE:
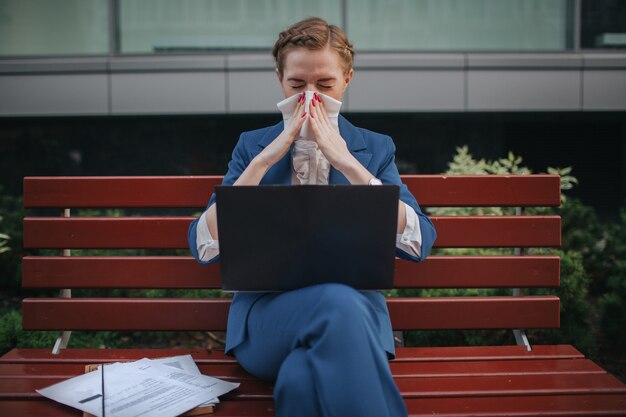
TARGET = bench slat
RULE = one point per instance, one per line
(194, 191)
(508, 385)
(203, 356)
(524, 406)
(493, 368)
(211, 314)
(185, 272)
(36, 407)
(432, 387)
(398, 369)
(474, 313)
(171, 232)
(520, 406)
(480, 353)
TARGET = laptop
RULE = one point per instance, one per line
(280, 237)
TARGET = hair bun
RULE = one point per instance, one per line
(313, 33)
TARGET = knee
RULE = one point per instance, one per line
(295, 378)
(256, 361)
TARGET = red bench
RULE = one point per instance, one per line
(488, 380)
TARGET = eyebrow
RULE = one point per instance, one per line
(321, 79)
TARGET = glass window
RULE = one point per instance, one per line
(603, 24)
(53, 27)
(148, 26)
(446, 25)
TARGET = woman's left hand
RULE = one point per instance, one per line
(328, 139)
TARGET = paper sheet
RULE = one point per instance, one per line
(187, 364)
(141, 388)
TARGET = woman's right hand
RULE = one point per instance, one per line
(280, 146)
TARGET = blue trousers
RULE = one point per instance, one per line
(321, 346)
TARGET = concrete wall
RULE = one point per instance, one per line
(232, 83)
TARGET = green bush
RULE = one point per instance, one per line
(12, 215)
(583, 233)
(12, 335)
(576, 310)
(575, 306)
(613, 302)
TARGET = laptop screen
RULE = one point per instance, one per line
(277, 238)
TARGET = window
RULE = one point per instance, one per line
(603, 24)
(446, 25)
(148, 26)
(58, 27)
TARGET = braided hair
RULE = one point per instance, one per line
(313, 33)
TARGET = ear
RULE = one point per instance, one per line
(347, 78)
(280, 79)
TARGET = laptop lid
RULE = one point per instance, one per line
(278, 238)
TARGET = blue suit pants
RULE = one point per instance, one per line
(321, 347)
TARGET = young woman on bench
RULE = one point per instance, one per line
(325, 346)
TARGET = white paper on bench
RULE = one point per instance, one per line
(187, 364)
(141, 388)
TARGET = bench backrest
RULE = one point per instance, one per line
(185, 196)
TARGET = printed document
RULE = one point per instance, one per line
(163, 387)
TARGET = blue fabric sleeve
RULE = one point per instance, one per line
(388, 174)
(238, 163)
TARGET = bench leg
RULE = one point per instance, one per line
(521, 339)
(61, 342)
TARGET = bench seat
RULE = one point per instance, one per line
(520, 380)
(491, 380)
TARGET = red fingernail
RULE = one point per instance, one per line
(312, 117)
(313, 103)
(303, 114)
(300, 99)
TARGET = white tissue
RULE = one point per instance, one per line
(288, 105)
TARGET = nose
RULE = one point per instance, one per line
(312, 87)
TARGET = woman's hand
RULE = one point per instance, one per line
(328, 139)
(333, 146)
(280, 146)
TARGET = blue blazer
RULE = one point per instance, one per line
(375, 152)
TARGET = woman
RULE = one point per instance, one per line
(325, 346)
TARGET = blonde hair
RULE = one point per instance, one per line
(313, 33)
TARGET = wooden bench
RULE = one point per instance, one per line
(486, 380)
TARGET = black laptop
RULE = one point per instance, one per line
(278, 238)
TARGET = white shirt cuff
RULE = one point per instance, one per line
(410, 240)
(208, 248)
